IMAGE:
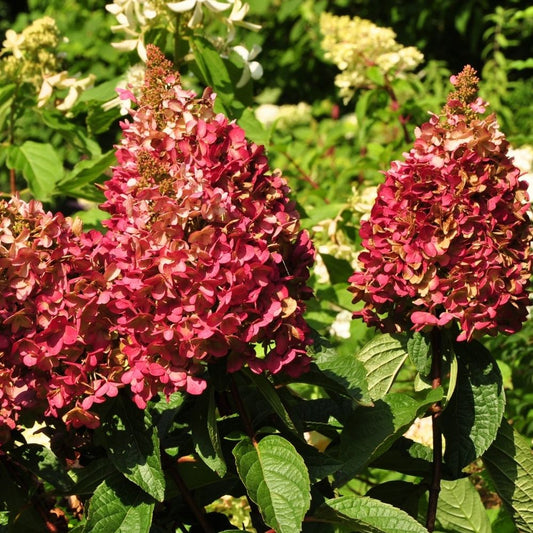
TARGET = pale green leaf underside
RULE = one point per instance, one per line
(460, 509)
(367, 515)
(382, 358)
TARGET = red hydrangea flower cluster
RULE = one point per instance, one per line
(203, 259)
(40, 334)
(448, 240)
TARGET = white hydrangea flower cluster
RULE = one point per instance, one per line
(355, 45)
(285, 116)
(32, 57)
(136, 17)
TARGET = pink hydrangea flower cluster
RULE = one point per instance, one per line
(448, 240)
(203, 260)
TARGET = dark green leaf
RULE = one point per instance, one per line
(266, 388)
(472, 417)
(276, 479)
(367, 515)
(339, 270)
(400, 494)
(346, 371)
(42, 462)
(383, 358)
(460, 509)
(371, 431)
(509, 461)
(89, 477)
(23, 516)
(407, 457)
(132, 443)
(205, 433)
(119, 506)
(99, 120)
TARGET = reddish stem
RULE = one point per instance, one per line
(198, 511)
(436, 378)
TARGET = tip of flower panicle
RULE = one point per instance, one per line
(160, 76)
(464, 100)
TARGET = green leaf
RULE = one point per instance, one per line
(460, 509)
(100, 93)
(255, 131)
(276, 479)
(6, 101)
(22, 516)
(132, 443)
(383, 358)
(375, 75)
(509, 462)
(367, 515)
(339, 270)
(205, 433)
(344, 371)
(400, 494)
(213, 72)
(119, 506)
(371, 431)
(473, 415)
(89, 477)
(42, 462)
(267, 389)
(40, 165)
(99, 120)
(92, 218)
(87, 171)
(418, 348)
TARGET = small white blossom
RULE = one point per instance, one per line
(13, 43)
(252, 69)
(197, 16)
(61, 81)
(341, 326)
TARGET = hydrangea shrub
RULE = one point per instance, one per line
(203, 260)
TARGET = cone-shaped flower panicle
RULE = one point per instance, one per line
(448, 240)
(207, 256)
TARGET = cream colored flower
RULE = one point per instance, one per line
(61, 80)
(13, 43)
(356, 44)
(236, 18)
(197, 16)
(252, 69)
(341, 325)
